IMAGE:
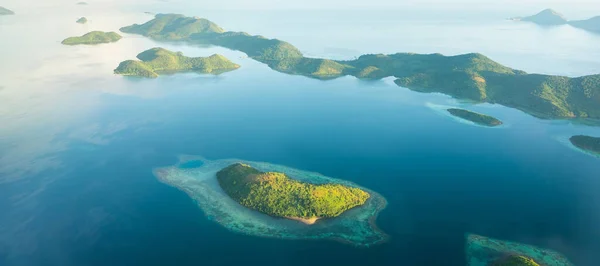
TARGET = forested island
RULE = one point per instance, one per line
(278, 195)
(94, 37)
(4, 11)
(159, 60)
(586, 143)
(549, 17)
(477, 118)
(469, 76)
(82, 20)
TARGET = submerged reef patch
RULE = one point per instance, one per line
(355, 227)
(484, 251)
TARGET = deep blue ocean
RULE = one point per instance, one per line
(78, 144)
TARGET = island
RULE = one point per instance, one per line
(477, 118)
(591, 25)
(471, 76)
(82, 20)
(277, 195)
(257, 199)
(486, 251)
(586, 143)
(514, 260)
(159, 60)
(549, 17)
(94, 37)
(4, 11)
(82, 3)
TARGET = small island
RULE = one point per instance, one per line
(94, 37)
(547, 17)
(82, 3)
(159, 60)
(82, 20)
(273, 187)
(278, 195)
(586, 143)
(477, 118)
(4, 11)
(470, 76)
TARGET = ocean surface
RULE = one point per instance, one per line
(78, 144)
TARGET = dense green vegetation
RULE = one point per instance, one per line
(157, 60)
(586, 143)
(469, 76)
(173, 27)
(82, 20)
(94, 37)
(4, 11)
(278, 195)
(515, 261)
(480, 119)
(546, 17)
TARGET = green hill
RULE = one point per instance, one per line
(4, 11)
(159, 60)
(468, 76)
(173, 27)
(278, 195)
(94, 37)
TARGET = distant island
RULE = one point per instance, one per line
(82, 3)
(545, 17)
(470, 76)
(82, 20)
(278, 195)
(156, 60)
(94, 37)
(592, 24)
(477, 118)
(586, 143)
(4, 11)
(549, 17)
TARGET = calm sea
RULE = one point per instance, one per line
(78, 144)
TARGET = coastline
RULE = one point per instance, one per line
(307, 221)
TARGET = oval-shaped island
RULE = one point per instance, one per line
(587, 144)
(268, 200)
(477, 118)
(278, 195)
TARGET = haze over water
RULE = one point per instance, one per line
(78, 144)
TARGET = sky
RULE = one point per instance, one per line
(576, 9)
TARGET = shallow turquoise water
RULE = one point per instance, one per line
(78, 144)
